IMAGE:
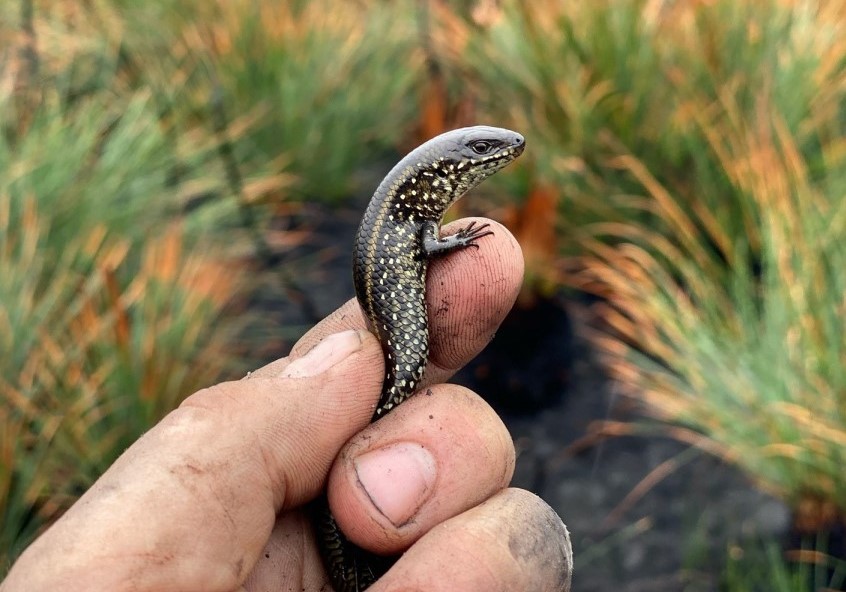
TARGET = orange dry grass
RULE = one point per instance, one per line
(752, 361)
(698, 149)
(96, 348)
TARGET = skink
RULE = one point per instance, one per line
(397, 236)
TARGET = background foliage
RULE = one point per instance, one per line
(686, 166)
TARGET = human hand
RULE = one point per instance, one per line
(212, 497)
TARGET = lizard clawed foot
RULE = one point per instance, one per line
(467, 236)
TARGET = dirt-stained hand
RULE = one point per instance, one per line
(211, 498)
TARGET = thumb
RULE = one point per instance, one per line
(303, 410)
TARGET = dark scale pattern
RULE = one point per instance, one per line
(389, 272)
(398, 310)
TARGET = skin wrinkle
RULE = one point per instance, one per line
(275, 486)
(364, 380)
(188, 468)
(339, 414)
(490, 577)
(297, 406)
(279, 484)
(284, 448)
(279, 556)
(186, 473)
(192, 469)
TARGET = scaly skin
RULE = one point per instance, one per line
(397, 236)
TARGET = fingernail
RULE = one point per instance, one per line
(333, 349)
(398, 479)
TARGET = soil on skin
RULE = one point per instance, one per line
(544, 380)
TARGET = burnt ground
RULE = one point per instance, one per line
(542, 377)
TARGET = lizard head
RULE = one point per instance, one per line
(425, 183)
(461, 159)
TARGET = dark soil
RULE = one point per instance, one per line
(544, 380)
(672, 536)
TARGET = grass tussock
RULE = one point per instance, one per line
(719, 252)
(111, 295)
(593, 82)
(100, 340)
(136, 139)
(750, 353)
(321, 77)
(765, 567)
(697, 152)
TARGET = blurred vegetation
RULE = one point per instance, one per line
(310, 75)
(110, 298)
(145, 150)
(765, 567)
(685, 164)
(695, 153)
(698, 152)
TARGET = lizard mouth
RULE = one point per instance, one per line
(510, 150)
(505, 154)
(517, 146)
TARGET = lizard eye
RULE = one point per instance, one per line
(481, 146)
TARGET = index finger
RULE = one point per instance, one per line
(468, 294)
